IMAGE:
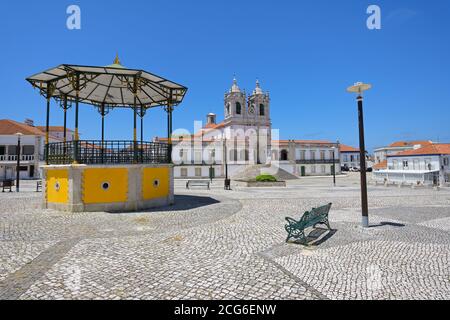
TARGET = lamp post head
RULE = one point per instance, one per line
(359, 88)
(19, 135)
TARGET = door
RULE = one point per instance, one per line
(303, 169)
(31, 171)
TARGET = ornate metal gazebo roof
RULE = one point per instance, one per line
(112, 85)
(107, 88)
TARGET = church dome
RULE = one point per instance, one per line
(257, 89)
(234, 87)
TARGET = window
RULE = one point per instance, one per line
(198, 156)
(313, 169)
(395, 164)
(238, 108)
(416, 164)
(446, 162)
(302, 155)
(352, 158)
(184, 172)
(198, 172)
(313, 155)
(345, 158)
(2, 150)
(12, 150)
(405, 164)
(323, 169)
(331, 154)
(233, 155)
(261, 110)
(284, 155)
(227, 111)
(28, 150)
(322, 155)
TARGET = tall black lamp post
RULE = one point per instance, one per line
(227, 185)
(19, 135)
(334, 165)
(359, 88)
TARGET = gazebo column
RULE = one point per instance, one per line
(142, 133)
(169, 126)
(47, 123)
(77, 137)
(135, 157)
(135, 91)
(65, 118)
(103, 130)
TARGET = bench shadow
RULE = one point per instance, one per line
(316, 237)
(391, 224)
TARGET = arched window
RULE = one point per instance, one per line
(228, 109)
(283, 155)
(261, 110)
(233, 155)
(238, 108)
(244, 155)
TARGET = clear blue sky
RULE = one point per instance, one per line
(304, 52)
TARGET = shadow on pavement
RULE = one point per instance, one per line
(391, 224)
(186, 202)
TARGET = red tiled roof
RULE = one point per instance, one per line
(302, 141)
(345, 148)
(380, 166)
(54, 128)
(10, 127)
(410, 143)
(438, 148)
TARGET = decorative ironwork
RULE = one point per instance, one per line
(107, 152)
(141, 111)
(105, 110)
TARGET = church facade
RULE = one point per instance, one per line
(245, 138)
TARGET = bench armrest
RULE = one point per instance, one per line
(291, 221)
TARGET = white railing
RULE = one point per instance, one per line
(14, 158)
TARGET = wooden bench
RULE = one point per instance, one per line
(39, 186)
(198, 183)
(7, 184)
(296, 229)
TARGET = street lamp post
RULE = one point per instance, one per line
(18, 162)
(359, 88)
(334, 166)
(227, 185)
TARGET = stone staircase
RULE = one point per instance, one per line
(251, 172)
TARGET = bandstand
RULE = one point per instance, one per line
(105, 175)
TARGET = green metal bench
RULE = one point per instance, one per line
(296, 229)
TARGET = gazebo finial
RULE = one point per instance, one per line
(117, 60)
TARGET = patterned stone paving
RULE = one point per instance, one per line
(230, 245)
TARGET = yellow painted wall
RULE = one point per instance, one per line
(57, 188)
(93, 180)
(151, 189)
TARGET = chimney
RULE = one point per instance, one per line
(211, 119)
(29, 122)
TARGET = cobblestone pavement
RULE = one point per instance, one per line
(231, 245)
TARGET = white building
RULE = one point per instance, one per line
(244, 139)
(381, 153)
(31, 153)
(428, 165)
(349, 156)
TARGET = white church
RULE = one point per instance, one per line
(245, 141)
